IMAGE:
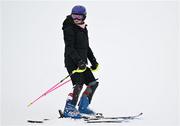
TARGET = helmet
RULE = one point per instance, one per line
(78, 9)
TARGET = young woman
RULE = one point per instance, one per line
(77, 52)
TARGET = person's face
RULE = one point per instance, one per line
(78, 19)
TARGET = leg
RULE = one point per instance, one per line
(70, 107)
(91, 88)
(76, 91)
(91, 84)
(77, 81)
(88, 93)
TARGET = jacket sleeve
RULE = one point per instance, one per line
(69, 39)
(90, 56)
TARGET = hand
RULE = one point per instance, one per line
(94, 66)
(81, 65)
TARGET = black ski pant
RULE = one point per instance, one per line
(79, 79)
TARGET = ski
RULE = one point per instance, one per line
(112, 119)
(98, 118)
(34, 121)
(106, 121)
(121, 117)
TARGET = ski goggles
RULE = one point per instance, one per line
(78, 17)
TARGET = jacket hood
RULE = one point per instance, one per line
(68, 22)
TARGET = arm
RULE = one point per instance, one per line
(90, 56)
(92, 59)
(69, 39)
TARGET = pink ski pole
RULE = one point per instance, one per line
(50, 90)
(56, 86)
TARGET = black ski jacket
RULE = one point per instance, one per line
(76, 43)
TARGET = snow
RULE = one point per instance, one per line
(135, 44)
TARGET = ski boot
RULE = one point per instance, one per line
(70, 110)
(83, 106)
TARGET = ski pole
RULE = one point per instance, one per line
(47, 92)
(57, 85)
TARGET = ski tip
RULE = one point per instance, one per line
(141, 113)
(46, 119)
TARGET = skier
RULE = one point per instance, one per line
(77, 51)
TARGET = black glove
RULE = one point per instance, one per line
(94, 65)
(81, 65)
